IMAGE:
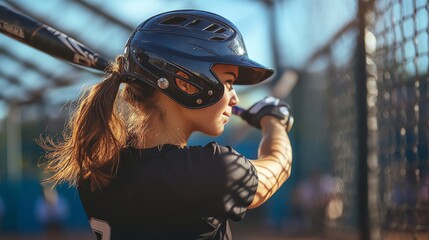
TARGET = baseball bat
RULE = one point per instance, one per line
(53, 42)
(236, 110)
(48, 39)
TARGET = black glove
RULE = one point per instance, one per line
(268, 106)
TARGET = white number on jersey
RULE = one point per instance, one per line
(101, 227)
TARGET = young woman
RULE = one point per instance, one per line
(126, 149)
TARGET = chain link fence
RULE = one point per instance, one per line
(401, 61)
(381, 160)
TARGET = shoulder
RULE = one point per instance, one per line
(214, 149)
(212, 152)
(214, 179)
(205, 159)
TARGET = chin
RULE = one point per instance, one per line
(214, 132)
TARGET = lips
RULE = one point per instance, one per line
(227, 115)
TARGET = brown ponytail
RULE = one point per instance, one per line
(93, 138)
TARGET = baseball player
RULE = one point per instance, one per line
(126, 145)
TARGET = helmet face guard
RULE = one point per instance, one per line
(191, 42)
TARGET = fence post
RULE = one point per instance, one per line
(362, 124)
(366, 97)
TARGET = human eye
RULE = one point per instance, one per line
(228, 84)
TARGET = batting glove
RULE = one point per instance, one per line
(268, 106)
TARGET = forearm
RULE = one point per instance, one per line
(275, 141)
(274, 159)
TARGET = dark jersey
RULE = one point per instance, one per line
(172, 193)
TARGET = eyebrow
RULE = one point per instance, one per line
(232, 74)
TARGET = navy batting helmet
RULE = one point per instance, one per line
(192, 42)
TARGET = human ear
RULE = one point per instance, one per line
(184, 85)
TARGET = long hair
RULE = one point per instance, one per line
(97, 131)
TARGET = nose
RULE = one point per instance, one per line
(234, 99)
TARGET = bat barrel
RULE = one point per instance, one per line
(17, 26)
(48, 39)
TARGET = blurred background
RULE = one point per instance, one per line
(355, 73)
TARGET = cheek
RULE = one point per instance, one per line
(224, 101)
(211, 116)
(205, 116)
(210, 120)
(221, 106)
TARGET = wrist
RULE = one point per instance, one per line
(269, 121)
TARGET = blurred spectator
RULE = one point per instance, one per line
(51, 211)
(313, 199)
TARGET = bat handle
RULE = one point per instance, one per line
(236, 110)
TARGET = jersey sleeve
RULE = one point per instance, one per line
(213, 180)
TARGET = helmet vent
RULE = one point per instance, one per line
(220, 30)
(217, 38)
(194, 23)
(174, 20)
(211, 27)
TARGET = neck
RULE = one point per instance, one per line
(166, 128)
(163, 136)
